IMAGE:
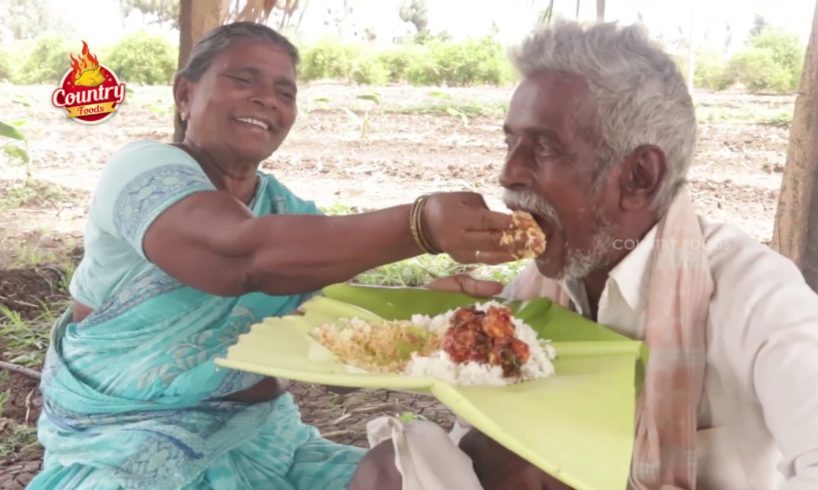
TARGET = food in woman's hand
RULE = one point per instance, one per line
(480, 344)
(524, 230)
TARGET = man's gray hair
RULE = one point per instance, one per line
(638, 95)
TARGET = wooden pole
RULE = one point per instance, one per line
(196, 18)
(796, 221)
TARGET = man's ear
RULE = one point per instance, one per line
(181, 95)
(642, 174)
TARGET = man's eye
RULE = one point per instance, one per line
(546, 148)
(242, 80)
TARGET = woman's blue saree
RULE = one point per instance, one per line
(132, 398)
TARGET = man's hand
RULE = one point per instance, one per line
(497, 468)
(464, 283)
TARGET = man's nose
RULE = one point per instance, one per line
(515, 172)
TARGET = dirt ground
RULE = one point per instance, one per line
(343, 151)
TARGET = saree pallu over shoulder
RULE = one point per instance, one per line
(133, 399)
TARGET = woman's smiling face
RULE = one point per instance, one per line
(243, 106)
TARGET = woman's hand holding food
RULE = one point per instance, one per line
(460, 224)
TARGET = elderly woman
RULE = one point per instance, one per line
(188, 245)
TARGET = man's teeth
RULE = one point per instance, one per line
(250, 120)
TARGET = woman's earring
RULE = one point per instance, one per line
(184, 116)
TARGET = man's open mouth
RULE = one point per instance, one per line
(542, 221)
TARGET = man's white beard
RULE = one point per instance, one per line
(578, 263)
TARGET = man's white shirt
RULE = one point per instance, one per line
(758, 419)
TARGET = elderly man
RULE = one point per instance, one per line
(600, 134)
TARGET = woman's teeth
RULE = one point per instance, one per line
(250, 120)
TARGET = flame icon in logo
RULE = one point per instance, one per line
(86, 69)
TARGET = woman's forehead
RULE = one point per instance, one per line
(255, 53)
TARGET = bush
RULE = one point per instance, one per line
(479, 61)
(424, 70)
(786, 50)
(476, 61)
(369, 70)
(773, 62)
(142, 58)
(712, 71)
(397, 61)
(327, 59)
(757, 70)
(6, 66)
(47, 62)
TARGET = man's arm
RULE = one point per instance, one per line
(497, 468)
(765, 321)
(785, 377)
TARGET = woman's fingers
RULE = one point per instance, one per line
(480, 288)
(461, 225)
(486, 220)
(448, 283)
(446, 216)
(464, 283)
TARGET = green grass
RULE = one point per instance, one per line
(5, 394)
(782, 118)
(33, 192)
(467, 108)
(26, 257)
(338, 209)
(27, 340)
(67, 272)
(744, 115)
(419, 271)
(17, 439)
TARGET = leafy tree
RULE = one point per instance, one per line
(27, 19)
(414, 11)
(759, 24)
(163, 10)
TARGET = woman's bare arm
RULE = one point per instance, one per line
(212, 242)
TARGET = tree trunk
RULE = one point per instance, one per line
(796, 220)
(600, 10)
(196, 18)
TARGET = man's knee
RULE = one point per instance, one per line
(377, 470)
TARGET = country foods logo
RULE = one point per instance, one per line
(89, 92)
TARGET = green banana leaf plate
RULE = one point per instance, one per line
(577, 425)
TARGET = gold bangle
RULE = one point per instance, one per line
(415, 224)
(428, 243)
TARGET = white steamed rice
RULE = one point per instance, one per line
(440, 366)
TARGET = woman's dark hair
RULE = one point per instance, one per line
(220, 38)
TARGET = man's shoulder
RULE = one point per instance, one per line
(755, 286)
(734, 256)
